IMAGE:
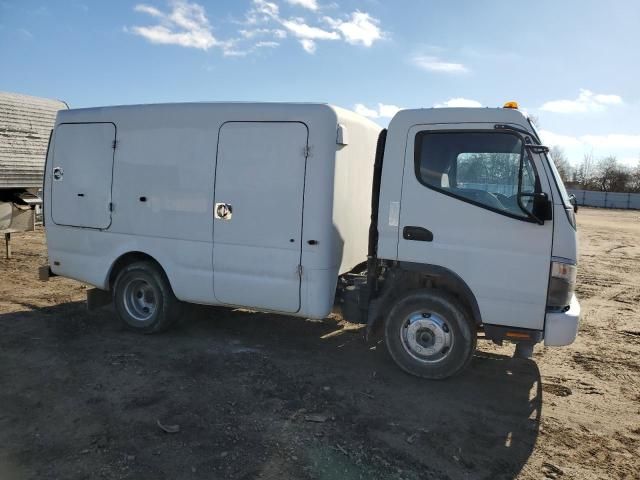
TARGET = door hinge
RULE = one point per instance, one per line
(300, 270)
(114, 144)
(306, 151)
(110, 206)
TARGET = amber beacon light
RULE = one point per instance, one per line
(513, 105)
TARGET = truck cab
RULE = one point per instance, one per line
(475, 233)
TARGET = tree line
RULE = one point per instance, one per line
(604, 174)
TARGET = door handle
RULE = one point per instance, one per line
(223, 211)
(417, 233)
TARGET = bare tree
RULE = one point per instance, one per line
(634, 180)
(562, 164)
(585, 172)
(611, 176)
(607, 175)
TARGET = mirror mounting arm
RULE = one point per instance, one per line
(540, 202)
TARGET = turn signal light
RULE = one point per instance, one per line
(513, 105)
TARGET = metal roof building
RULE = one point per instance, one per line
(25, 125)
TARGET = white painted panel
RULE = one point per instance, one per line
(352, 182)
(260, 173)
(81, 174)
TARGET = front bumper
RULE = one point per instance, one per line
(562, 328)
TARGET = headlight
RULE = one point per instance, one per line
(571, 215)
(561, 285)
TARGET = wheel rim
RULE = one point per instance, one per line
(426, 336)
(140, 300)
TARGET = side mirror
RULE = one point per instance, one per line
(574, 202)
(542, 207)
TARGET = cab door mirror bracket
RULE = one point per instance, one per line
(541, 208)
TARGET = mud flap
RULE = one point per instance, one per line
(97, 298)
(45, 273)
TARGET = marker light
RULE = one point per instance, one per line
(513, 105)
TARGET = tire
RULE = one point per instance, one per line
(430, 335)
(143, 298)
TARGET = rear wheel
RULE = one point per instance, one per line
(143, 298)
(429, 334)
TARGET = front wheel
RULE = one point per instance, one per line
(430, 335)
(143, 298)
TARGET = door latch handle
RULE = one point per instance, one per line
(223, 211)
(419, 234)
(57, 173)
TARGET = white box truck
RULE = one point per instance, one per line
(450, 224)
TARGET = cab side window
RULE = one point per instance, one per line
(482, 168)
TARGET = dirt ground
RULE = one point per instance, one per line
(271, 397)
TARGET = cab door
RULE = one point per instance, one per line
(460, 210)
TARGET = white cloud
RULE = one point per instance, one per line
(361, 29)
(383, 110)
(435, 64)
(308, 45)
(267, 44)
(299, 29)
(387, 111)
(263, 32)
(613, 141)
(624, 146)
(458, 102)
(608, 99)
(232, 52)
(310, 4)
(185, 25)
(148, 9)
(262, 11)
(587, 101)
(231, 48)
(555, 139)
(360, 109)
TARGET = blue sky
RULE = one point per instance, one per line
(573, 64)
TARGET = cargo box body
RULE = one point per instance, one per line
(254, 205)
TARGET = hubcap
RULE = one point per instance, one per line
(140, 300)
(426, 336)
